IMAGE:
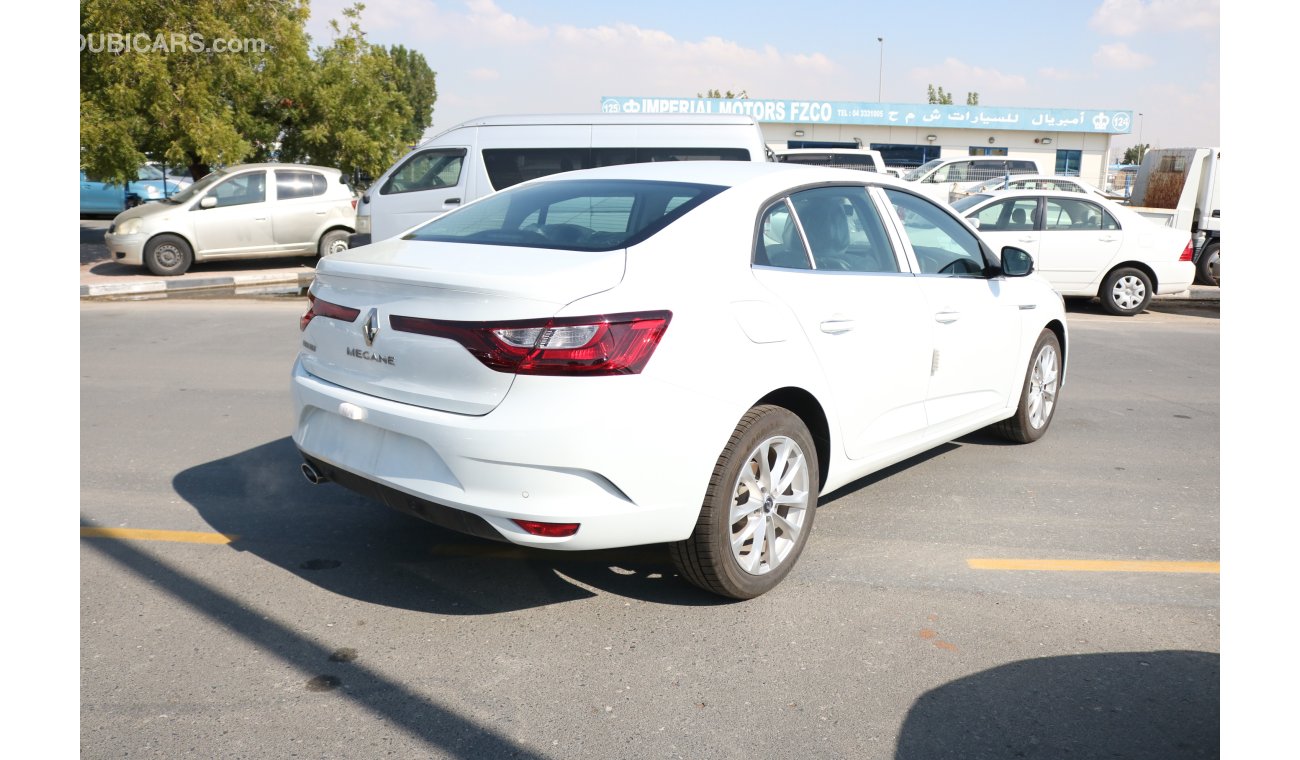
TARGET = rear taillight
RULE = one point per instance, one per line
(609, 344)
(354, 204)
(549, 530)
(1187, 252)
(319, 308)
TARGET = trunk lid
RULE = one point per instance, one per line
(441, 281)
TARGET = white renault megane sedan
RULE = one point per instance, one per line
(682, 353)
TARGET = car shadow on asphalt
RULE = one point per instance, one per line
(358, 548)
(106, 268)
(1161, 705)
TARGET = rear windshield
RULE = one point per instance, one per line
(574, 215)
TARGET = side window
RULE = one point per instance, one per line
(1013, 215)
(1022, 167)
(510, 166)
(290, 185)
(646, 155)
(941, 243)
(426, 170)
(1065, 214)
(779, 243)
(982, 170)
(955, 172)
(242, 189)
(844, 230)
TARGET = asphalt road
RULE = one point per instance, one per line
(332, 627)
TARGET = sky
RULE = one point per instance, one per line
(1157, 58)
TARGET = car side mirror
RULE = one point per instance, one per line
(208, 202)
(1016, 262)
(974, 222)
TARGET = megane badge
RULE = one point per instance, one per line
(371, 327)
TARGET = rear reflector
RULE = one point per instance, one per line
(321, 308)
(607, 344)
(548, 530)
(1187, 252)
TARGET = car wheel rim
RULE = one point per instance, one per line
(1214, 267)
(338, 246)
(769, 505)
(1129, 292)
(1042, 387)
(167, 256)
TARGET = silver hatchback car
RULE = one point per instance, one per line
(240, 212)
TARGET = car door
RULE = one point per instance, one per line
(298, 213)
(1012, 221)
(428, 184)
(974, 319)
(1079, 240)
(826, 254)
(99, 197)
(239, 223)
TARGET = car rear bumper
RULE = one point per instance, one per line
(627, 457)
(126, 249)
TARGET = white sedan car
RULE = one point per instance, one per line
(1087, 245)
(684, 353)
(1026, 182)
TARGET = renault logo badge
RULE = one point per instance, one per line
(371, 327)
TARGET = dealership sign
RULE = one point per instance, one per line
(883, 114)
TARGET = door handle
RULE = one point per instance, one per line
(946, 317)
(1026, 239)
(1108, 239)
(452, 201)
(837, 326)
(259, 219)
(319, 213)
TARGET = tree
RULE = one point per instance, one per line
(728, 95)
(418, 85)
(1135, 154)
(972, 98)
(353, 115)
(177, 90)
(939, 97)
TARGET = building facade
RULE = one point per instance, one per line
(1059, 140)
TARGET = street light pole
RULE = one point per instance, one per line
(880, 82)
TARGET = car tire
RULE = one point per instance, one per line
(168, 255)
(1207, 266)
(1126, 292)
(334, 241)
(742, 501)
(1038, 395)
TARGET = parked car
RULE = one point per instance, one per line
(1026, 182)
(487, 154)
(1087, 245)
(836, 158)
(240, 212)
(100, 197)
(938, 177)
(679, 352)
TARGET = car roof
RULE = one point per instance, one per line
(999, 195)
(505, 120)
(820, 151)
(279, 165)
(729, 174)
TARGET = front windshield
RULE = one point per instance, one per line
(961, 204)
(922, 170)
(198, 188)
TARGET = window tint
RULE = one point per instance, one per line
(941, 243)
(1014, 215)
(1022, 167)
(426, 170)
(241, 189)
(580, 215)
(843, 230)
(779, 242)
(298, 184)
(1063, 214)
(507, 167)
(954, 172)
(984, 170)
(833, 160)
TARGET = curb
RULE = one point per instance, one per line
(249, 284)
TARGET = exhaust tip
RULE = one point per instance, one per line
(313, 475)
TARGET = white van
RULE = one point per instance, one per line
(938, 177)
(862, 159)
(484, 155)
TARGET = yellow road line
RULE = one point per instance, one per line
(1094, 565)
(140, 534)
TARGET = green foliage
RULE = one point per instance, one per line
(972, 98)
(418, 85)
(728, 95)
(353, 117)
(187, 106)
(939, 97)
(1135, 154)
(355, 106)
